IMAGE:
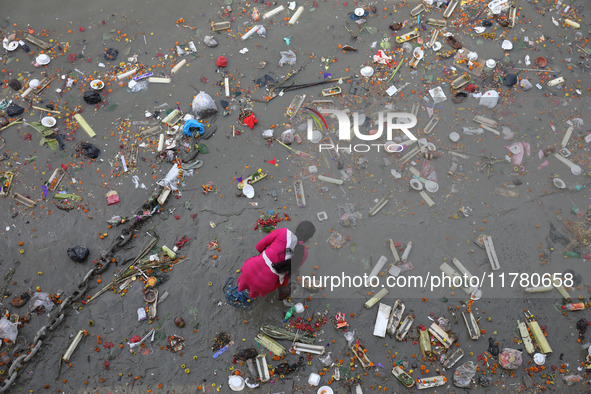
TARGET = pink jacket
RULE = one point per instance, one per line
(256, 276)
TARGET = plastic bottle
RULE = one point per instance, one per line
(574, 306)
(289, 313)
(24, 46)
(577, 187)
(570, 253)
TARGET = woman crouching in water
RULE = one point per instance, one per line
(280, 251)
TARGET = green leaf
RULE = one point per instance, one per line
(371, 29)
(203, 149)
(52, 144)
(38, 127)
(353, 248)
(365, 263)
(69, 196)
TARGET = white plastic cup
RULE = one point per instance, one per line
(314, 379)
(299, 307)
(539, 358)
(316, 136)
(236, 383)
(576, 170)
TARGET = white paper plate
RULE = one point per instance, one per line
(479, 29)
(48, 121)
(559, 183)
(507, 45)
(455, 137)
(416, 184)
(97, 84)
(418, 53)
(325, 390)
(248, 191)
(12, 45)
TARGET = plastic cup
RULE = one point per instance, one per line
(576, 170)
(539, 358)
(416, 184)
(367, 71)
(431, 186)
(42, 60)
(236, 383)
(48, 121)
(316, 136)
(314, 379)
(248, 191)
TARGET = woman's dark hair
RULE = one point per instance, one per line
(305, 230)
(283, 266)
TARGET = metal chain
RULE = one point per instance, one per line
(105, 261)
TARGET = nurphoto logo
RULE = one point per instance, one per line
(400, 121)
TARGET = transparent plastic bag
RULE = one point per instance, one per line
(464, 374)
(349, 216)
(326, 360)
(41, 300)
(8, 330)
(137, 86)
(287, 57)
(510, 358)
(287, 137)
(203, 106)
(350, 337)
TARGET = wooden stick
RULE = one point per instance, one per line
(532, 69)
(46, 110)
(309, 85)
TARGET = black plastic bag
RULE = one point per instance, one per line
(78, 253)
(493, 348)
(90, 150)
(14, 110)
(510, 80)
(92, 97)
(111, 54)
(15, 84)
